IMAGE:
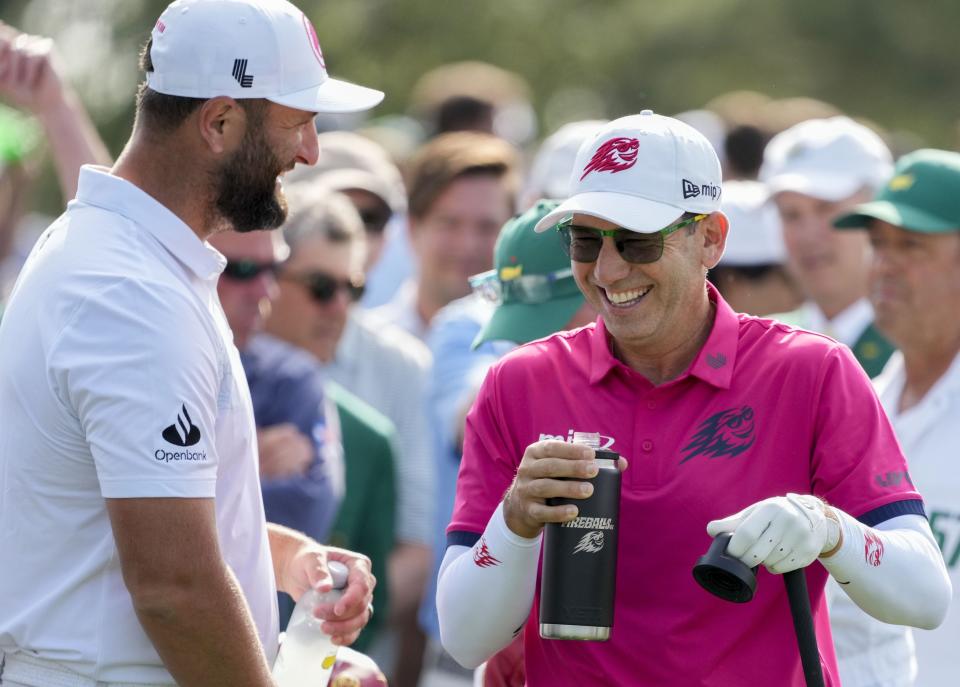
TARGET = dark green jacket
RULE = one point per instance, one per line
(365, 522)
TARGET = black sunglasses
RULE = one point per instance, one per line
(248, 270)
(583, 244)
(323, 288)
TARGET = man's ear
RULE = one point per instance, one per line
(221, 123)
(715, 228)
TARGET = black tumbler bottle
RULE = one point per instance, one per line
(579, 574)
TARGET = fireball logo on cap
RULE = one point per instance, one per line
(613, 156)
(314, 41)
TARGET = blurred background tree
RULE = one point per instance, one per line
(892, 62)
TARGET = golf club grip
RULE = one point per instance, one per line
(796, 583)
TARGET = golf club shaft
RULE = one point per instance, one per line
(796, 583)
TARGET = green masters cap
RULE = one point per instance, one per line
(922, 196)
(531, 282)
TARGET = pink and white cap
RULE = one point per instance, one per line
(248, 49)
(642, 172)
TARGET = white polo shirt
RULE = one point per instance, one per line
(118, 379)
(929, 433)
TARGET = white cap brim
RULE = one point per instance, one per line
(829, 187)
(627, 211)
(333, 96)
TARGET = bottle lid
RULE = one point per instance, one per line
(339, 573)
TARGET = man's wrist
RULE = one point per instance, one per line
(835, 530)
(285, 544)
(516, 524)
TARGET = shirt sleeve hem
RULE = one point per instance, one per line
(875, 516)
(132, 489)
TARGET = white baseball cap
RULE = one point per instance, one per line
(829, 159)
(642, 172)
(351, 161)
(755, 236)
(247, 49)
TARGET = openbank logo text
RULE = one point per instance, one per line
(167, 456)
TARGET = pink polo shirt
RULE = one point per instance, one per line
(764, 409)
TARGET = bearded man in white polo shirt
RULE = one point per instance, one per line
(134, 546)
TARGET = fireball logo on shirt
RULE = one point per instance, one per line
(591, 542)
(727, 433)
(613, 156)
(482, 556)
(872, 549)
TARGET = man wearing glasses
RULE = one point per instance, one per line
(320, 447)
(730, 423)
(316, 310)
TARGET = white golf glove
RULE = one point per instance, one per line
(782, 533)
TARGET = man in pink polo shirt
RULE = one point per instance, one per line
(730, 423)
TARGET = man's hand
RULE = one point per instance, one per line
(284, 451)
(782, 533)
(29, 74)
(548, 469)
(307, 569)
(30, 79)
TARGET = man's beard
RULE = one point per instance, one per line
(245, 186)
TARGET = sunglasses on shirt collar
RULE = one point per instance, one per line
(323, 287)
(248, 270)
(583, 244)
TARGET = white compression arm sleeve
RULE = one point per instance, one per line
(485, 593)
(893, 571)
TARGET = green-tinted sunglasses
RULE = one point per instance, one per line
(583, 244)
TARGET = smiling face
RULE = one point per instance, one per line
(652, 307)
(246, 188)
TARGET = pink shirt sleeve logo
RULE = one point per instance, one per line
(482, 556)
(728, 433)
(872, 549)
(613, 156)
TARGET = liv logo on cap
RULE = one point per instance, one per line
(614, 156)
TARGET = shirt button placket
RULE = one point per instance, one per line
(647, 471)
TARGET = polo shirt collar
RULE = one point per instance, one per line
(99, 188)
(848, 325)
(348, 348)
(714, 362)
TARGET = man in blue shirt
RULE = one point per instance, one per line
(301, 469)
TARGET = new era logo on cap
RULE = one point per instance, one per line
(613, 156)
(692, 190)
